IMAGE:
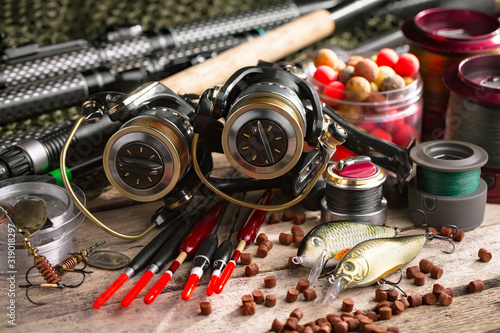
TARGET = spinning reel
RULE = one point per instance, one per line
(269, 115)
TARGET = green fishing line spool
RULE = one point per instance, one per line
(448, 188)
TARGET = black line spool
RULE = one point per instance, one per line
(354, 192)
(473, 113)
(448, 188)
(440, 37)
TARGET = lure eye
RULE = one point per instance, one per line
(349, 267)
(316, 241)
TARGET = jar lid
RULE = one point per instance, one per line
(476, 78)
(450, 30)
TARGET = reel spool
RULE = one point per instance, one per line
(472, 114)
(440, 37)
(354, 192)
(269, 114)
(448, 188)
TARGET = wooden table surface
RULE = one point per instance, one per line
(71, 309)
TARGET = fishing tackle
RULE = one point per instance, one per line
(246, 235)
(188, 247)
(269, 114)
(326, 244)
(374, 259)
(144, 257)
(222, 254)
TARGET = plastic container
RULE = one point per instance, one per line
(394, 115)
(55, 242)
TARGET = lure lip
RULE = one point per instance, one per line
(337, 284)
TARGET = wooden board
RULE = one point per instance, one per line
(71, 309)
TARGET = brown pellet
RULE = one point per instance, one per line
(258, 296)
(308, 329)
(274, 218)
(260, 238)
(271, 300)
(393, 329)
(359, 311)
(302, 285)
(277, 325)
(331, 316)
(397, 307)
(404, 300)
(297, 240)
(382, 304)
(363, 322)
(291, 323)
(206, 308)
(436, 272)
(325, 328)
(291, 295)
(341, 327)
(297, 231)
(249, 308)
(321, 321)
(380, 295)
(291, 264)
(419, 279)
(432, 230)
(270, 281)
(369, 328)
(415, 300)
(346, 315)
(392, 295)
(299, 218)
(262, 251)
(347, 305)
(459, 236)
(445, 299)
(246, 298)
(309, 294)
(268, 244)
(285, 239)
(300, 328)
(288, 215)
(475, 286)
(372, 315)
(449, 291)
(333, 320)
(425, 266)
(484, 255)
(437, 289)
(445, 231)
(353, 324)
(297, 313)
(385, 313)
(429, 299)
(251, 270)
(410, 271)
(246, 258)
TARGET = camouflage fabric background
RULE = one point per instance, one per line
(53, 21)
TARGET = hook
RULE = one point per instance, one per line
(454, 229)
(430, 236)
(383, 282)
(30, 286)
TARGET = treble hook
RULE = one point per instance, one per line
(383, 282)
(431, 236)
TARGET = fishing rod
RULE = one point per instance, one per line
(246, 235)
(188, 247)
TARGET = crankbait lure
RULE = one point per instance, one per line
(372, 260)
(327, 243)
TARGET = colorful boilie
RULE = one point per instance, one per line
(371, 92)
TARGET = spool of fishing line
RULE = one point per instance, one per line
(54, 242)
(440, 37)
(354, 192)
(474, 109)
(448, 188)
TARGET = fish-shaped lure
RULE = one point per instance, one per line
(327, 243)
(372, 260)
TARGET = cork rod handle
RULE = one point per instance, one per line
(270, 47)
